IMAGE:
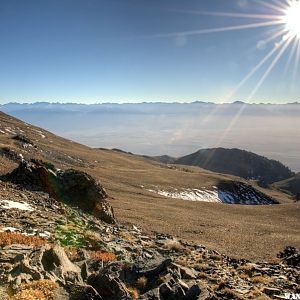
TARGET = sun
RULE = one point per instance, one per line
(292, 19)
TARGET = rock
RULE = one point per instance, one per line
(47, 262)
(71, 186)
(193, 293)
(291, 256)
(174, 291)
(84, 292)
(271, 291)
(186, 273)
(13, 252)
(23, 139)
(109, 287)
(155, 268)
(55, 261)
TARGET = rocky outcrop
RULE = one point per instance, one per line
(291, 256)
(71, 186)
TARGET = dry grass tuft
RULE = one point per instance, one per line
(72, 253)
(29, 294)
(231, 294)
(9, 238)
(103, 256)
(141, 282)
(261, 279)
(133, 293)
(174, 246)
(36, 290)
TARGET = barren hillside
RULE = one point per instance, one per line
(151, 195)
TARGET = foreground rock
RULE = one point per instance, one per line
(71, 186)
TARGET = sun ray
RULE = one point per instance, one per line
(297, 59)
(251, 73)
(282, 48)
(293, 52)
(277, 34)
(270, 68)
(277, 8)
(216, 30)
(233, 15)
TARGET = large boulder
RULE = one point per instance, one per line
(74, 187)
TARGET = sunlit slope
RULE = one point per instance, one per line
(248, 231)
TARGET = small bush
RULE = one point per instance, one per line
(72, 253)
(141, 282)
(261, 279)
(133, 293)
(29, 294)
(70, 236)
(36, 290)
(103, 256)
(174, 246)
(9, 238)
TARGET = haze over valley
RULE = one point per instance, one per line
(174, 129)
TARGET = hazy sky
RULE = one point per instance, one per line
(139, 50)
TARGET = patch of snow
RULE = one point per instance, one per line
(9, 130)
(45, 234)
(190, 195)
(9, 229)
(244, 195)
(8, 204)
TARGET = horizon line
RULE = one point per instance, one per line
(149, 102)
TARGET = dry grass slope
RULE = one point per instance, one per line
(256, 232)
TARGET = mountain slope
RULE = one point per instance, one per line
(291, 185)
(239, 163)
(127, 179)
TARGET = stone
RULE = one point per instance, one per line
(186, 273)
(84, 292)
(271, 291)
(109, 287)
(291, 256)
(74, 187)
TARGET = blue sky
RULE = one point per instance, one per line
(135, 50)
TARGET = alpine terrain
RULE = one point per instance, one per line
(81, 223)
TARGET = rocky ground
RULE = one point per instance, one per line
(54, 247)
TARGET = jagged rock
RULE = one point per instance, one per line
(271, 291)
(155, 268)
(109, 287)
(55, 261)
(11, 252)
(23, 139)
(291, 256)
(175, 291)
(84, 292)
(46, 263)
(71, 186)
(186, 273)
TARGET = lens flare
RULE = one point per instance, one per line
(292, 19)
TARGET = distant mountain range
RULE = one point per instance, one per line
(60, 105)
(157, 128)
